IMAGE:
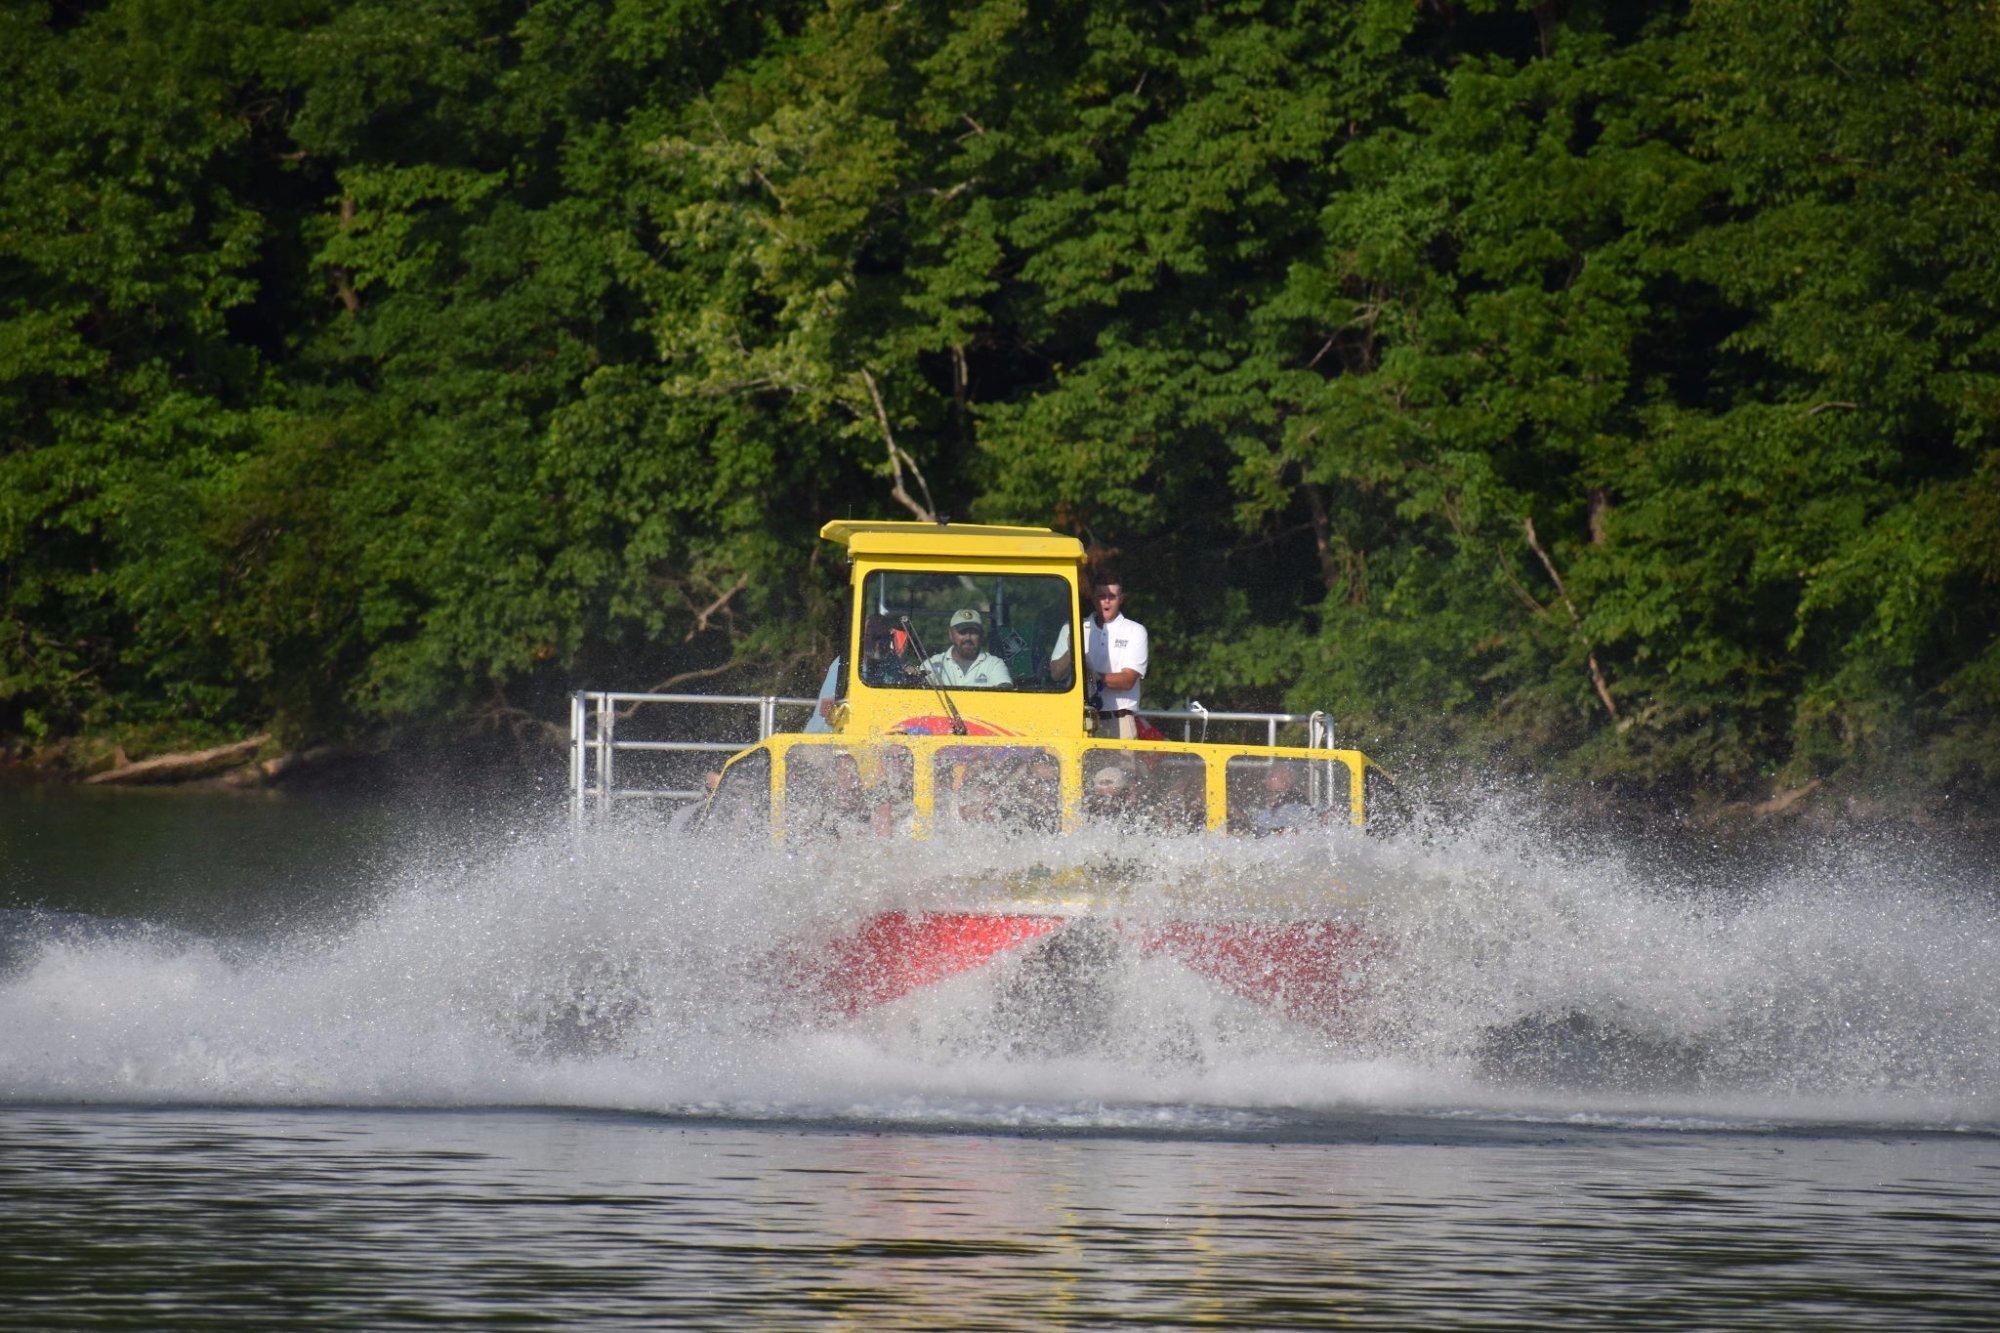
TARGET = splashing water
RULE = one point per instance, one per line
(1504, 975)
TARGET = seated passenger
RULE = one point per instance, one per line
(967, 665)
(1183, 800)
(880, 665)
(827, 800)
(1283, 809)
(879, 662)
(892, 812)
(1062, 659)
(1112, 794)
(1037, 796)
(978, 802)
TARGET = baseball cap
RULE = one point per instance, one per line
(966, 617)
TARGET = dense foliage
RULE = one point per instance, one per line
(1610, 387)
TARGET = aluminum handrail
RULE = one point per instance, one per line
(707, 747)
(594, 743)
(1212, 715)
(623, 696)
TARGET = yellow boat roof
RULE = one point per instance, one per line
(990, 540)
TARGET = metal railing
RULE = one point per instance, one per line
(594, 744)
(1322, 788)
(1319, 723)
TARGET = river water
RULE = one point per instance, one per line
(365, 1061)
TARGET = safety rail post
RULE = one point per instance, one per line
(577, 724)
(1319, 736)
(607, 713)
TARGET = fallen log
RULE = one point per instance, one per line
(185, 766)
(287, 766)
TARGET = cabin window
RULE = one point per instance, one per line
(971, 631)
(741, 802)
(1270, 795)
(1158, 790)
(837, 791)
(999, 786)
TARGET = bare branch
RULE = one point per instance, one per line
(1514, 586)
(946, 196)
(1816, 410)
(1322, 528)
(1575, 621)
(500, 714)
(680, 678)
(1535, 545)
(926, 510)
(701, 617)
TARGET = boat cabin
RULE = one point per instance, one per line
(961, 629)
(962, 702)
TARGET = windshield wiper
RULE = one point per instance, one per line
(924, 657)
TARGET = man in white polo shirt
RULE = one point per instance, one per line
(1114, 653)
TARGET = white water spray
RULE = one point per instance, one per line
(1509, 976)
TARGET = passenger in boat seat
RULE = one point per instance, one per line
(1037, 803)
(978, 801)
(1062, 657)
(1114, 653)
(967, 664)
(892, 812)
(1112, 794)
(879, 666)
(1183, 804)
(834, 802)
(1284, 807)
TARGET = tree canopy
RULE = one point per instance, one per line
(1612, 389)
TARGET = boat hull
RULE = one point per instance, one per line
(1311, 972)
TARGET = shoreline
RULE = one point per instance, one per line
(256, 765)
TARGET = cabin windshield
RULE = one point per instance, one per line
(972, 631)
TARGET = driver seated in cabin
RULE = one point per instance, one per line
(966, 665)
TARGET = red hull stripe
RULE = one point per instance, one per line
(1310, 971)
(1306, 970)
(896, 953)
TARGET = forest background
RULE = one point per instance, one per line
(1610, 390)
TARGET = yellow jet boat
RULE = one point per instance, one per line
(928, 741)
